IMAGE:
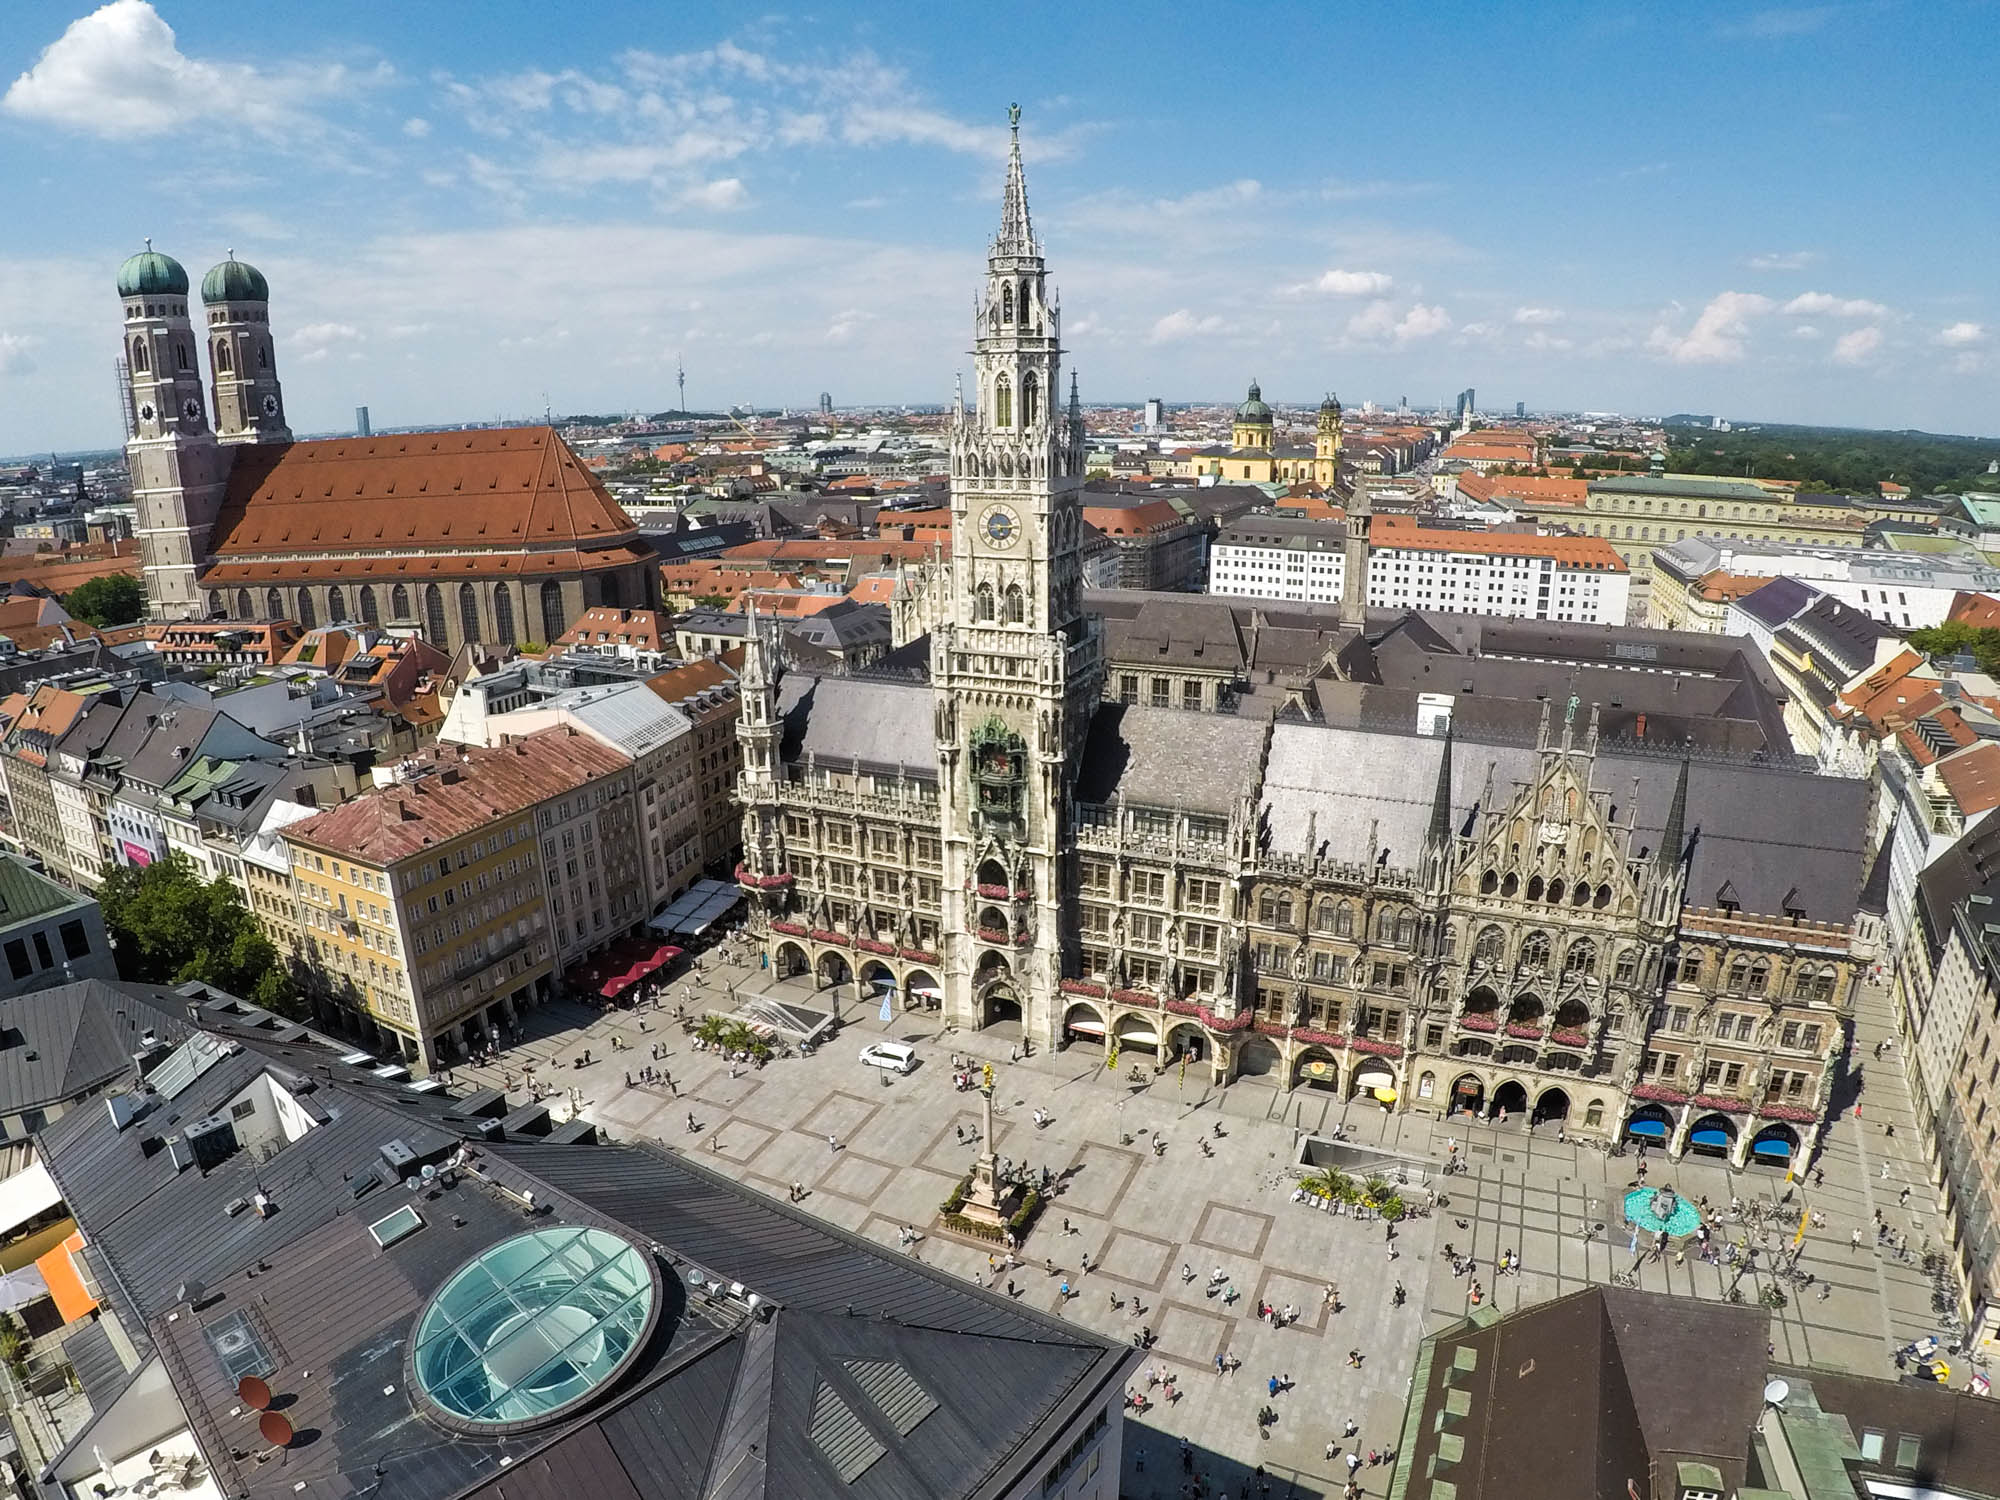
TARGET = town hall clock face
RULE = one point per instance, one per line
(1001, 527)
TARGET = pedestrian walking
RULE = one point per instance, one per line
(692, 1127)
(1354, 1359)
(833, 1143)
(1854, 1240)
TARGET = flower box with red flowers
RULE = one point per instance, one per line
(1569, 1036)
(827, 935)
(992, 892)
(1023, 939)
(756, 882)
(918, 955)
(790, 929)
(871, 945)
(1238, 1022)
(1791, 1112)
(991, 935)
(1722, 1102)
(1272, 1028)
(1379, 1049)
(1024, 895)
(1080, 987)
(1659, 1094)
(1183, 1007)
(1134, 997)
(1524, 1031)
(1479, 1023)
(1318, 1038)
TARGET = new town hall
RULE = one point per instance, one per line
(1567, 924)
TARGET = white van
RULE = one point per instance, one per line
(899, 1057)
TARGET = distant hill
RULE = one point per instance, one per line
(1845, 459)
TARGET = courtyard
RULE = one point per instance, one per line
(1165, 1183)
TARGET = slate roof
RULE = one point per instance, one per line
(964, 1392)
(1169, 758)
(1777, 601)
(847, 720)
(1771, 833)
(71, 1040)
(1580, 1395)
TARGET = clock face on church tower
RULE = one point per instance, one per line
(270, 406)
(1000, 527)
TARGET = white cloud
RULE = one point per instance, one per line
(1354, 283)
(416, 127)
(1718, 332)
(666, 120)
(723, 193)
(1422, 322)
(317, 341)
(1537, 315)
(118, 72)
(14, 356)
(1783, 260)
(1379, 322)
(1480, 330)
(1182, 324)
(1960, 335)
(1781, 22)
(1805, 331)
(1856, 347)
(1546, 343)
(1827, 305)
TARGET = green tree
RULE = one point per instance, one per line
(1956, 638)
(172, 927)
(115, 599)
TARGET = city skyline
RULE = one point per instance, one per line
(458, 228)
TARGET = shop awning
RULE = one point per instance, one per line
(1375, 1078)
(1085, 1028)
(1647, 1126)
(1387, 1096)
(1709, 1135)
(1772, 1146)
(625, 966)
(1138, 1038)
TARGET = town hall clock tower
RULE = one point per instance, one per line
(1016, 665)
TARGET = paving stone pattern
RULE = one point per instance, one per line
(1146, 1220)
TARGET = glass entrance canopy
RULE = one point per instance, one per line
(533, 1327)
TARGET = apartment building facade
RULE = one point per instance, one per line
(437, 905)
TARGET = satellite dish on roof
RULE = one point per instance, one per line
(253, 1393)
(1776, 1391)
(274, 1429)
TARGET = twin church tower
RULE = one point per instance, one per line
(177, 458)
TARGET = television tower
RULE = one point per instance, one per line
(681, 380)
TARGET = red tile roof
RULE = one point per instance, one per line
(498, 489)
(459, 789)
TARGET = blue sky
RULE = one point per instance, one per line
(464, 211)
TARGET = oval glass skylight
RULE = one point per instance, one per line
(534, 1326)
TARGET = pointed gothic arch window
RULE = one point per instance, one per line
(308, 615)
(1535, 951)
(336, 606)
(982, 602)
(1007, 303)
(1581, 959)
(399, 603)
(222, 356)
(274, 605)
(139, 354)
(263, 358)
(434, 617)
(503, 614)
(370, 615)
(554, 620)
(1016, 608)
(468, 611)
(1030, 405)
(1492, 945)
(1760, 976)
(180, 356)
(214, 603)
(243, 604)
(1739, 974)
(1003, 402)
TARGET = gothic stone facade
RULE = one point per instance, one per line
(1622, 940)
